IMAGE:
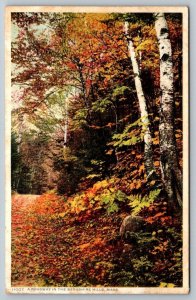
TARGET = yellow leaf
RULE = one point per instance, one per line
(152, 182)
(62, 215)
(138, 185)
(163, 284)
(83, 246)
(170, 285)
(156, 163)
(109, 152)
(98, 241)
(132, 186)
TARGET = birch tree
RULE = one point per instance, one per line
(66, 123)
(171, 173)
(148, 153)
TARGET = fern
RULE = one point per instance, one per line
(131, 135)
(120, 196)
(110, 200)
(101, 105)
(137, 203)
(119, 91)
(143, 263)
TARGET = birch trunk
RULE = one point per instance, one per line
(148, 153)
(171, 173)
(66, 123)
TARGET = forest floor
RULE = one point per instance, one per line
(21, 204)
(48, 248)
(52, 245)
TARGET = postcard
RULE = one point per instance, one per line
(97, 175)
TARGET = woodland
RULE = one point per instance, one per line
(96, 149)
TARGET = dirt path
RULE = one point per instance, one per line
(24, 200)
(21, 204)
(38, 242)
(49, 248)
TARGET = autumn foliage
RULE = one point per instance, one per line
(78, 153)
(76, 242)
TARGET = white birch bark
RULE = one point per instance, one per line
(148, 153)
(66, 122)
(171, 173)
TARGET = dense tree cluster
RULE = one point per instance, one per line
(83, 59)
(97, 100)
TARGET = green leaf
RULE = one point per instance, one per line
(101, 105)
(131, 135)
(119, 91)
(137, 202)
(112, 208)
(120, 196)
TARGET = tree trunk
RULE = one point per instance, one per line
(148, 153)
(171, 173)
(66, 123)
